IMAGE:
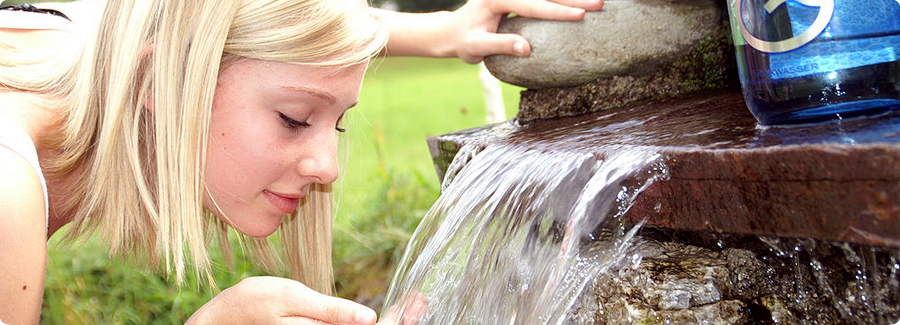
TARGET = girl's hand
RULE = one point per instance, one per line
(272, 300)
(473, 28)
(470, 32)
(412, 310)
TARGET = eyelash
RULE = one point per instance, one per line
(293, 124)
(338, 128)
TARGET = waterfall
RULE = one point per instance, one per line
(518, 232)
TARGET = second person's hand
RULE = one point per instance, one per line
(470, 32)
(473, 27)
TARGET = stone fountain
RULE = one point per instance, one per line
(751, 225)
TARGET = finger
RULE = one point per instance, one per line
(415, 309)
(298, 320)
(539, 9)
(332, 310)
(479, 45)
(589, 5)
(392, 316)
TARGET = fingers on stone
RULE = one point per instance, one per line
(541, 9)
(484, 44)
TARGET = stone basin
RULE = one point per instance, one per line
(834, 182)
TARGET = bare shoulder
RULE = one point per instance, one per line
(30, 31)
(81, 11)
(23, 240)
(22, 20)
(36, 31)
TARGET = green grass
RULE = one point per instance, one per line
(85, 286)
(404, 101)
(388, 184)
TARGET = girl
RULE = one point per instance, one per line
(174, 117)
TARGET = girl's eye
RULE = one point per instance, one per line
(292, 123)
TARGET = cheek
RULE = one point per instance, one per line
(239, 166)
(239, 159)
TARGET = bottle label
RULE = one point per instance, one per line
(825, 13)
(804, 37)
(832, 56)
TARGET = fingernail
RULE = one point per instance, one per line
(577, 11)
(519, 48)
(365, 317)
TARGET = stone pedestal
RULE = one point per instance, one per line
(754, 225)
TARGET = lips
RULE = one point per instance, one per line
(284, 203)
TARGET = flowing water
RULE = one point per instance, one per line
(517, 233)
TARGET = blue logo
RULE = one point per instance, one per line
(826, 11)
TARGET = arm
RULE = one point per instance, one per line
(470, 32)
(23, 241)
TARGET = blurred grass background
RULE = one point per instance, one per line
(388, 184)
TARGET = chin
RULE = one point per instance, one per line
(258, 230)
(256, 227)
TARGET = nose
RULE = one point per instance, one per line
(319, 158)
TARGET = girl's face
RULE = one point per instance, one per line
(273, 134)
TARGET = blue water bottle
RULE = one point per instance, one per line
(803, 61)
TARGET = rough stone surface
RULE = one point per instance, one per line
(744, 280)
(671, 283)
(708, 66)
(626, 37)
(838, 181)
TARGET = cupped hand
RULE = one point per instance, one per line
(272, 300)
(474, 25)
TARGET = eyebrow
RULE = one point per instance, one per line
(325, 96)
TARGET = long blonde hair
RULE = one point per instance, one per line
(138, 174)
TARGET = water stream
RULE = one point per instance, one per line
(517, 233)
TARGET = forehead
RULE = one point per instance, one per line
(291, 71)
(329, 83)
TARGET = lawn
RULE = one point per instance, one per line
(388, 183)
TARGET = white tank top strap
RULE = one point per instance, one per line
(18, 141)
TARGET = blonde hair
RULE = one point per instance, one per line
(139, 176)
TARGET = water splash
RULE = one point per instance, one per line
(517, 234)
(859, 283)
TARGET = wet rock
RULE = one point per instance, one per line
(753, 280)
(672, 284)
(779, 311)
(624, 38)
